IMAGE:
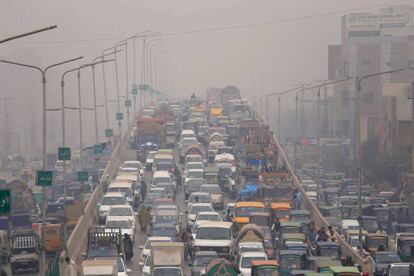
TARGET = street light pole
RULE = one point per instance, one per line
(29, 33)
(357, 142)
(44, 161)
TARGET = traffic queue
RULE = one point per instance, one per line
(212, 196)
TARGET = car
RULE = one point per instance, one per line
(194, 210)
(161, 177)
(146, 248)
(146, 266)
(249, 247)
(245, 261)
(168, 216)
(122, 223)
(198, 197)
(122, 211)
(348, 224)
(382, 259)
(193, 158)
(207, 216)
(215, 193)
(134, 164)
(123, 187)
(193, 185)
(165, 230)
(201, 260)
(107, 201)
(398, 269)
(193, 173)
(214, 235)
(193, 166)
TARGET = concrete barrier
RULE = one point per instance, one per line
(77, 239)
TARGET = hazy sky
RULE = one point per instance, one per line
(289, 52)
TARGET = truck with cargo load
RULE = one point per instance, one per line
(150, 133)
(103, 267)
(24, 251)
(104, 242)
(167, 258)
(275, 187)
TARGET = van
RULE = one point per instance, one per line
(214, 236)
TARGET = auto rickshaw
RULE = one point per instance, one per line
(405, 248)
(375, 241)
(265, 268)
(260, 219)
(290, 227)
(281, 210)
(344, 271)
(370, 224)
(323, 265)
(328, 249)
(311, 261)
(242, 210)
(331, 195)
(291, 238)
(291, 260)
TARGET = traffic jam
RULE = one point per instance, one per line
(209, 193)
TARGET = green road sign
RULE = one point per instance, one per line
(128, 103)
(5, 202)
(119, 116)
(83, 176)
(44, 178)
(64, 153)
(97, 148)
(109, 132)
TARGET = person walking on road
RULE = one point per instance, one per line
(143, 218)
(185, 239)
(128, 246)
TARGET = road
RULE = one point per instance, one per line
(140, 237)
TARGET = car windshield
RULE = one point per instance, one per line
(126, 191)
(195, 184)
(211, 217)
(195, 174)
(388, 258)
(203, 260)
(213, 233)
(194, 159)
(260, 220)
(194, 166)
(370, 225)
(280, 213)
(291, 263)
(196, 209)
(354, 241)
(96, 251)
(158, 180)
(399, 270)
(330, 252)
(120, 212)
(164, 231)
(118, 224)
(246, 262)
(211, 189)
(244, 211)
(200, 199)
(376, 243)
(113, 200)
(166, 219)
(167, 271)
(267, 272)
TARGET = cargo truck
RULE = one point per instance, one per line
(167, 258)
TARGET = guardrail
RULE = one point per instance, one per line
(365, 263)
(76, 240)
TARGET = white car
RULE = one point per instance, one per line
(193, 166)
(194, 210)
(214, 236)
(198, 197)
(135, 164)
(207, 216)
(146, 248)
(191, 174)
(125, 188)
(107, 201)
(146, 266)
(122, 211)
(245, 261)
(250, 247)
(150, 160)
(122, 223)
(215, 193)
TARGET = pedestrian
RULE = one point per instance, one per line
(143, 190)
(70, 267)
(185, 239)
(331, 233)
(143, 218)
(128, 246)
(228, 215)
(311, 233)
(297, 200)
(322, 236)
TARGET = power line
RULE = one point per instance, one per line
(223, 28)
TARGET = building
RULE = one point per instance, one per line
(370, 43)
